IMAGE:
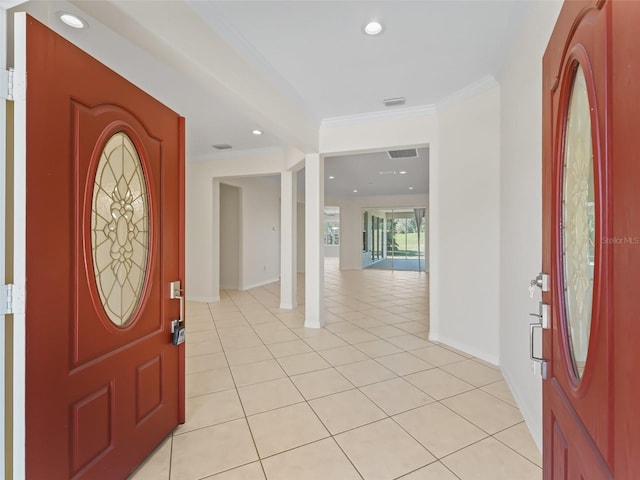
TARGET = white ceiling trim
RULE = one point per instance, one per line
(485, 83)
(378, 116)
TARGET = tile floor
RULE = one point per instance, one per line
(367, 397)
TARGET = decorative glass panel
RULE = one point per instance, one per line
(578, 223)
(120, 228)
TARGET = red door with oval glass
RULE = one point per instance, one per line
(104, 230)
(591, 227)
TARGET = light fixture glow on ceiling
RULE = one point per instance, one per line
(402, 172)
(373, 28)
(71, 20)
(410, 188)
(331, 177)
(257, 131)
(355, 190)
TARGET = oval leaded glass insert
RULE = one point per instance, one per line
(578, 222)
(120, 228)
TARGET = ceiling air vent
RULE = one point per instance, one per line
(406, 153)
(392, 102)
(221, 146)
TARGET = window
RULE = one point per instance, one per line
(331, 226)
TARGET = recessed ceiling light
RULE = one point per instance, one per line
(71, 20)
(402, 172)
(410, 188)
(355, 190)
(373, 28)
(257, 131)
(331, 177)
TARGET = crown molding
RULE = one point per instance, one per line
(485, 83)
(379, 116)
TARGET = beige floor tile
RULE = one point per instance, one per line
(484, 410)
(202, 363)
(286, 349)
(234, 330)
(204, 337)
(365, 372)
(412, 327)
(342, 327)
(284, 428)
(346, 410)
(404, 363)
(323, 342)
(303, 363)
(396, 395)
(248, 355)
(502, 391)
(343, 355)
(264, 396)
(438, 356)
(519, 439)
(387, 331)
(378, 348)
(368, 322)
(357, 336)
(383, 451)
(491, 460)
(321, 460)
(438, 383)
(473, 372)
(202, 348)
(278, 336)
(241, 341)
(157, 465)
(321, 383)
(209, 381)
(257, 372)
(409, 342)
(435, 471)
(253, 471)
(439, 429)
(212, 450)
(211, 409)
(311, 332)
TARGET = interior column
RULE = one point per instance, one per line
(288, 240)
(314, 250)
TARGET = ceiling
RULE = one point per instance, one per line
(285, 66)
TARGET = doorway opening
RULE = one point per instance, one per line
(230, 236)
(394, 239)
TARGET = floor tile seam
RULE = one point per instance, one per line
(211, 393)
(468, 419)
(476, 387)
(246, 421)
(405, 475)
(306, 444)
(510, 447)
(203, 427)
(495, 396)
(481, 388)
(297, 402)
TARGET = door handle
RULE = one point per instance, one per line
(543, 324)
(177, 326)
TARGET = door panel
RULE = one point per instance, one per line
(99, 395)
(578, 414)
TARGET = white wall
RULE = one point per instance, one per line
(261, 212)
(300, 228)
(230, 236)
(521, 205)
(466, 209)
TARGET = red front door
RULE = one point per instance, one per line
(591, 242)
(104, 233)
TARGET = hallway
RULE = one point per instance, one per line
(367, 397)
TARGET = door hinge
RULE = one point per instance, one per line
(11, 299)
(12, 85)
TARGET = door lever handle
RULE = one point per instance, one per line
(175, 292)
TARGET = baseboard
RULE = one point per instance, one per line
(534, 423)
(482, 355)
(260, 284)
(288, 306)
(203, 299)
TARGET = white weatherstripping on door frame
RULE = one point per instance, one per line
(19, 244)
(3, 250)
